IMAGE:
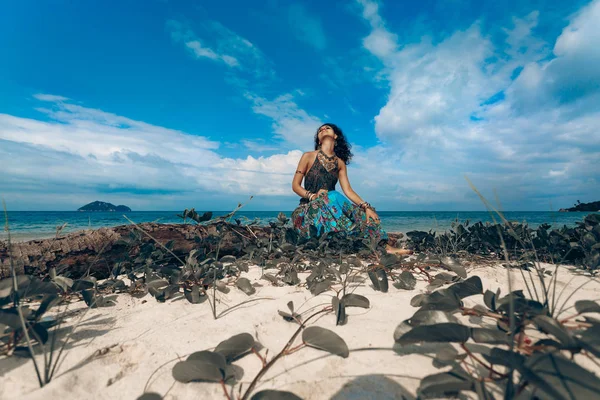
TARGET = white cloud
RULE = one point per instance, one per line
(380, 42)
(439, 123)
(572, 74)
(290, 122)
(88, 152)
(221, 44)
(306, 27)
(49, 97)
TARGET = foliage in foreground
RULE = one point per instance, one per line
(497, 355)
(578, 246)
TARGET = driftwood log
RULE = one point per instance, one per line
(96, 251)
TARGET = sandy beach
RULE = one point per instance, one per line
(122, 351)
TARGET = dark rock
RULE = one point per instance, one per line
(102, 206)
(589, 207)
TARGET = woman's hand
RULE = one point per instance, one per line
(370, 214)
(322, 192)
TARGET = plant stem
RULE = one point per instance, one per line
(225, 389)
(264, 370)
(488, 367)
(214, 283)
(16, 300)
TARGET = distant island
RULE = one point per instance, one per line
(102, 206)
(579, 206)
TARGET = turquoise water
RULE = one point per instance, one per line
(26, 225)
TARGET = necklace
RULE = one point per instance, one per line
(330, 163)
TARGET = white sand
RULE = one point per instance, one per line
(120, 351)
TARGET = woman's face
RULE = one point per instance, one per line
(324, 131)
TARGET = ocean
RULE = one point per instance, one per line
(28, 225)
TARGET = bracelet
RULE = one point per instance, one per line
(306, 194)
(311, 196)
(364, 205)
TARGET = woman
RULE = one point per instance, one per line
(321, 206)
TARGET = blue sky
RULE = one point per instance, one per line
(177, 104)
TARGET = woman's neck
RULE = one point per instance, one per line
(327, 146)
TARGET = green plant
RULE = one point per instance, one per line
(506, 358)
(25, 301)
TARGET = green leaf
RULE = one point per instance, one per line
(293, 317)
(587, 306)
(446, 354)
(274, 395)
(590, 340)
(467, 288)
(6, 285)
(490, 336)
(406, 281)
(560, 378)
(389, 260)
(355, 300)
(150, 396)
(553, 327)
(201, 366)
(320, 287)
(245, 286)
(36, 287)
(40, 333)
(49, 301)
(489, 298)
(92, 299)
(506, 358)
(193, 295)
(64, 283)
(401, 329)
(235, 346)
(340, 311)
(158, 284)
(324, 339)
(84, 283)
(228, 259)
(447, 332)
(430, 317)
(10, 318)
(442, 300)
(222, 287)
(522, 306)
(418, 300)
(454, 266)
(445, 384)
(382, 279)
(374, 280)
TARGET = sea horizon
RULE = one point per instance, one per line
(32, 225)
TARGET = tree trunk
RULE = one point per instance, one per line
(98, 250)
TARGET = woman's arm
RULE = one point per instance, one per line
(299, 175)
(351, 194)
(345, 184)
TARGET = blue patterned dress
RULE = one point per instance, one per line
(334, 212)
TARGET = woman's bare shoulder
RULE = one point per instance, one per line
(310, 154)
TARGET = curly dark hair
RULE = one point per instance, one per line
(341, 147)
